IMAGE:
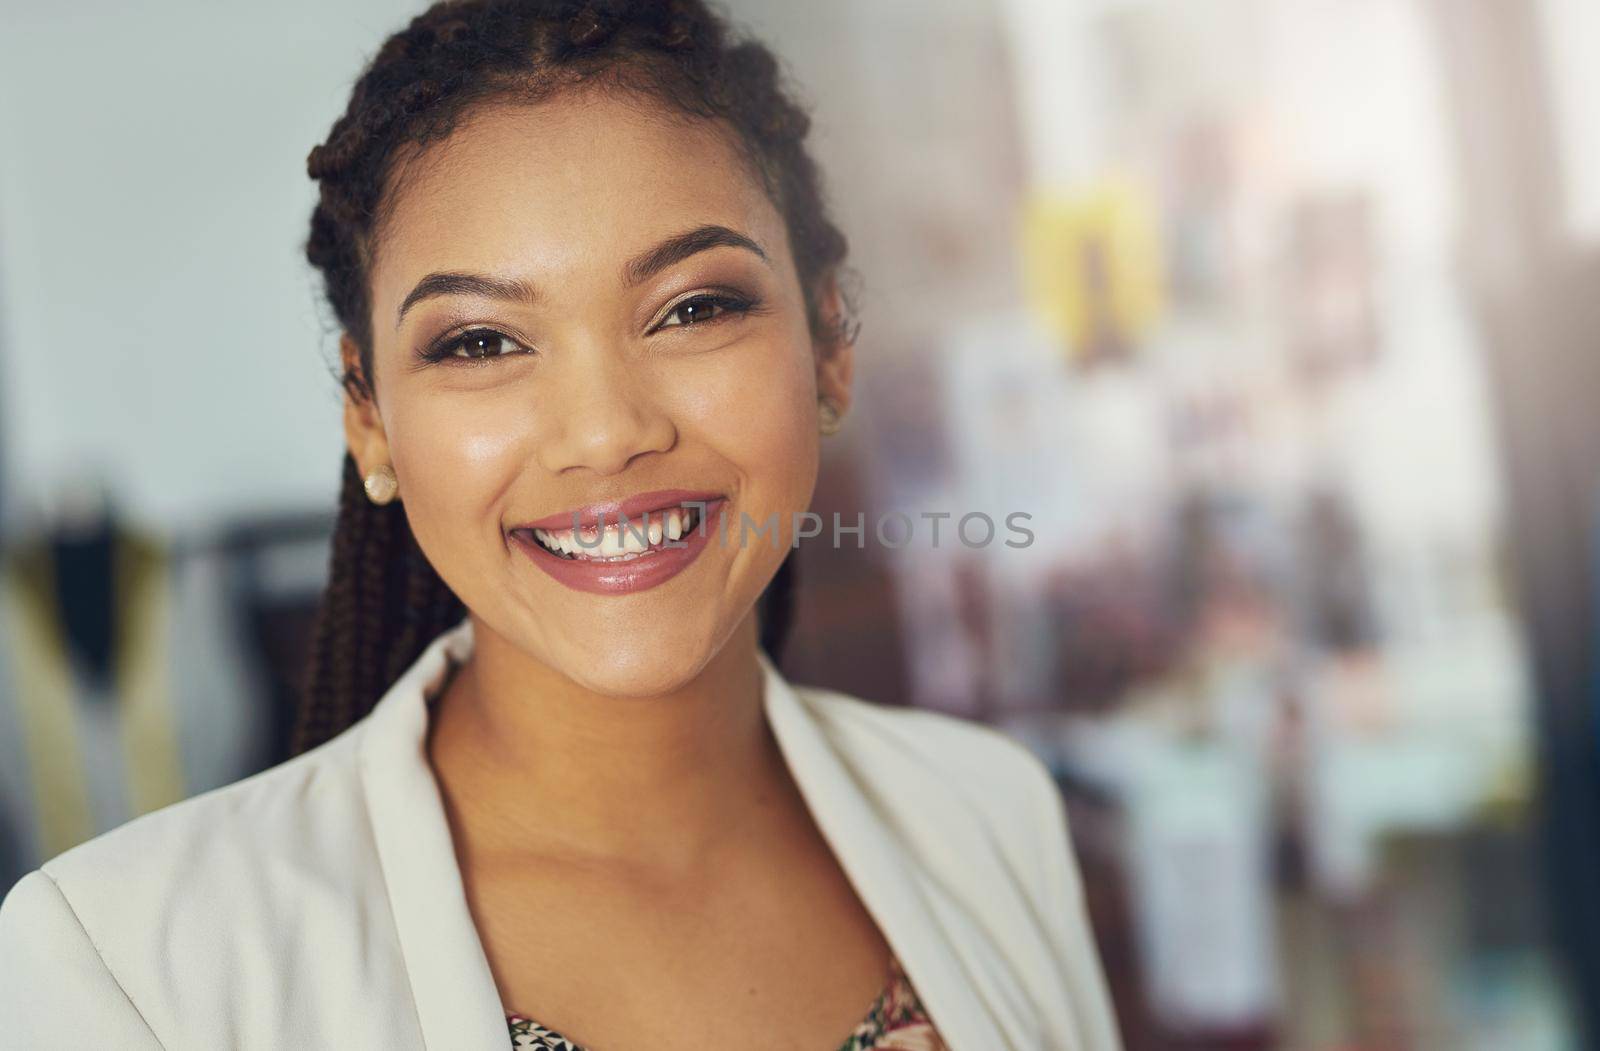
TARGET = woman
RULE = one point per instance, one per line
(552, 790)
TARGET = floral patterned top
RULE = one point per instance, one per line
(896, 1021)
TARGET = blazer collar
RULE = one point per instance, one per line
(457, 1003)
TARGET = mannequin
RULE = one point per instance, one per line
(81, 548)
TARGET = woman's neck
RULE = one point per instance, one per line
(531, 763)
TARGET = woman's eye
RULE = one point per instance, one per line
(699, 309)
(479, 344)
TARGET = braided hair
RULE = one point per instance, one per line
(384, 602)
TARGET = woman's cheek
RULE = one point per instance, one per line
(784, 443)
(491, 448)
(461, 456)
(756, 409)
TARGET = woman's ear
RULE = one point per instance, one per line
(363, 427)
(836, 357)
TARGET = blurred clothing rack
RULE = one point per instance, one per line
(209, 629)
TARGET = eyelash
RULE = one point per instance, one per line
(726, 303)
(444, 350)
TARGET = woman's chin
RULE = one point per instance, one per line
(645, 664)
(631, 682)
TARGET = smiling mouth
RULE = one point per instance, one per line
(639, 536)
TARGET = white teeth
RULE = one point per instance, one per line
(619, 543)
(635, 537)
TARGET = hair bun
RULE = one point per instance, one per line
(314, 162)
(589, 28)
(679, 34)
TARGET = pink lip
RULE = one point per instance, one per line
(639, 574)
(633, 507)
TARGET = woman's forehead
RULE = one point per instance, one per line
(563, 186)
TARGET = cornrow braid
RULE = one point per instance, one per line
(384, 602)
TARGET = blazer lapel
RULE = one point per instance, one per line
(458, 1005)
(934, 941)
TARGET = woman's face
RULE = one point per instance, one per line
(607, 358)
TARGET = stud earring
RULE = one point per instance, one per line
(381, 484)
(829, 419)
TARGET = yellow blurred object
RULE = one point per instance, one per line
(1092, 263)
(53, 715)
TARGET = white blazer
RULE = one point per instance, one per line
(318, 904)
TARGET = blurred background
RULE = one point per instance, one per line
(1277, 316)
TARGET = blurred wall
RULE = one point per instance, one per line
(157, 321)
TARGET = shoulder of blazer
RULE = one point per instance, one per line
(297, 803)
(975, 758)
(934, 776)
(192, 908)
(984, 821)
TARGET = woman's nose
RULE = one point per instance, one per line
(604, 416)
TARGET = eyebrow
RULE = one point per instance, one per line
(641, 268)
